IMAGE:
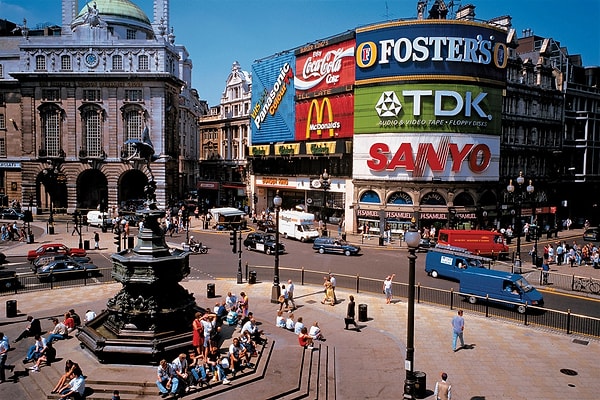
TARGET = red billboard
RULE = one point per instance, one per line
(325, 117)
(323, 67)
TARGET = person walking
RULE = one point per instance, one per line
(96, 241)
(290, 294)
(387, 288)
(458, 327)
(350, 314)
(3, 355)
(443, 389)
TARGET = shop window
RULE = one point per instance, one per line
(370, 197)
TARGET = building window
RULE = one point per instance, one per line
(143, 63)
(50, 95)
(51, 132)
(117, 63)
(133, 128)
(2, 121)
(92, 143)
(133, 95)
(91, 95)
(40, 63)
(130, 34)
(65, 63)
(1, 71)
(2, 147)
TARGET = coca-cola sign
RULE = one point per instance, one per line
(325, 68)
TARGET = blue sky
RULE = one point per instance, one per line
(218, 32)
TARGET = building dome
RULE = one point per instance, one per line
(116, 9)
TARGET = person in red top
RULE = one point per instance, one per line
(198, 333)
(69, 322)
(305, 339)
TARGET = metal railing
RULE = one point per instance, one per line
(563, 321)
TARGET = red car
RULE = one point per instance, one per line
(53, 249)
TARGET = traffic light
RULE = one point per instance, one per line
(233, 240)
(118, 241)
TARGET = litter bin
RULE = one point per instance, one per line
(30, 238)
(252, 278)
(362, 313)
(11, 308)
(210, 290)
(130, 244)
(381, 240)
(51, 230)
(86, 244)
(420, 384)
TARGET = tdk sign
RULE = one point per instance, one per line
(440, 48)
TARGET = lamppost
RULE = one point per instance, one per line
(519, 193)
(412, 238)
(276, 291)
(325, 184)
(50, 180)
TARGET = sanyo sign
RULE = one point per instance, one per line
(426, 156)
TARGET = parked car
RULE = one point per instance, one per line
(592, 235)
(266, 226)
(54, 248)
(331, 245)
(264, 242)
(427, 243)
(66, 269)
(46, 259)
(11, 213)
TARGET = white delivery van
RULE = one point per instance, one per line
(97, 218)
(298, 225)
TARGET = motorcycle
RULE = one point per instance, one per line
(197, 248)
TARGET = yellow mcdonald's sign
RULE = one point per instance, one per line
(319, 124)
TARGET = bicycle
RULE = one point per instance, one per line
(586, 284)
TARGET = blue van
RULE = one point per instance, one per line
(450, 262)
(499, 285)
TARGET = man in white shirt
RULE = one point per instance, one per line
(76, 388)
(180, 368)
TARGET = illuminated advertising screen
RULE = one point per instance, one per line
(328, 117)
(426, 156)
(272, 115)
(324, 67)
(442, 48)
(428, 107)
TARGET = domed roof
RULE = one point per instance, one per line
(116, 8)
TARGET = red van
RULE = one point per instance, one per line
(485, 243)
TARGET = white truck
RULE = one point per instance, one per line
(298, 225)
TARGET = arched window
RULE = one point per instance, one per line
(464, 199)
(400, 198)
(433, 199)
(50, 118)
(370, 197)
(91, 118)
(133, 118)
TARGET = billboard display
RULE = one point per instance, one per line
(324, 67)
(272, 114)
(444, 48)
(326, 117)
(428, 107)
(426, 157)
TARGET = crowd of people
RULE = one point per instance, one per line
(42, 352)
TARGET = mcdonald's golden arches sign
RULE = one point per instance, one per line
(325, 118)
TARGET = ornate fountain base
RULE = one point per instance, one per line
(151, 316)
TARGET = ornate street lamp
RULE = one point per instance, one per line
(325, 184)
(412, 238)
(276, 290)
(519, 193)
